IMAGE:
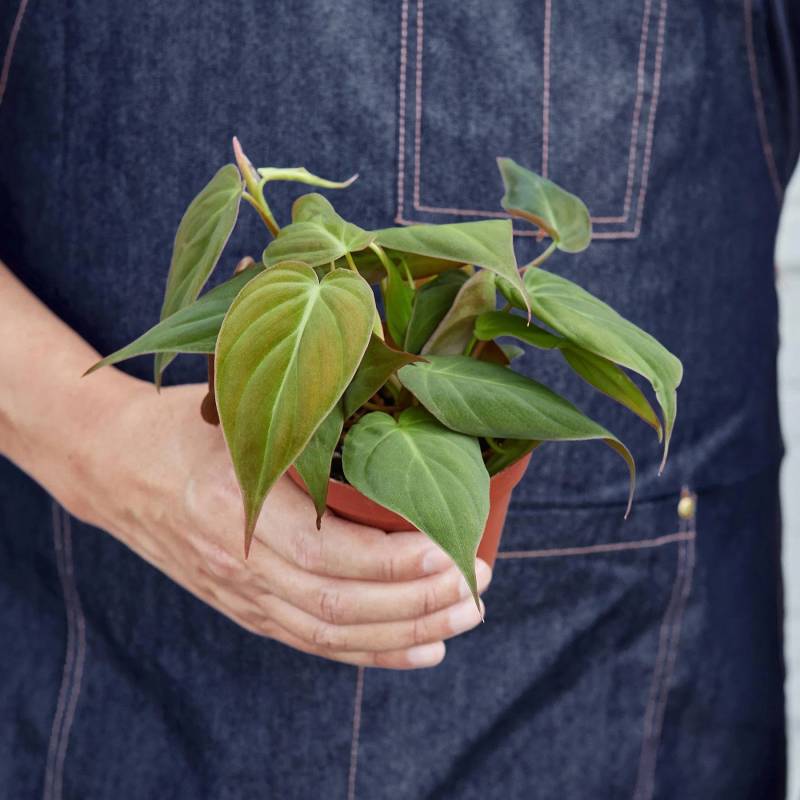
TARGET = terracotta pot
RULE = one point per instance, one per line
(348, 502)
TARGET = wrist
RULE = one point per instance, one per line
(68, 452)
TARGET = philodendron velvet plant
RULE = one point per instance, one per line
(422, 407)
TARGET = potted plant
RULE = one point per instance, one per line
(414, 416)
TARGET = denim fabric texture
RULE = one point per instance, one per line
(633, 659)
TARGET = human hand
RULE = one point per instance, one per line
(161, 481)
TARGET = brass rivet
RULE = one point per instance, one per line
(687, 506)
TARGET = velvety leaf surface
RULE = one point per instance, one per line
(433, 477)
(612, 381)
(599, 372)
(561, 214)
(302, 175)
(432, 301)
(456, 329)
(487, 243)
(288, 348)
(379, 362)
(193, 329)
(314, 463)
(201, 237)
(317, 235)
(492, 324)
(596, 327)
(483, 399)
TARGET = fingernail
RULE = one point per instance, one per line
(464, 617)
(426, 655)
(435, 560)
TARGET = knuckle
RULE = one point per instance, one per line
(420, 631)
(331, 605)
(383, 660)
(389, 569)
(220, 563)
(430, 599)
(325, 637)
(307, 552)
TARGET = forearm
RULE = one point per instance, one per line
(49, 416)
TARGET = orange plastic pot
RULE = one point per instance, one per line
(348, 502)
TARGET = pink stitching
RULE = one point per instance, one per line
(357, 703)
(758, 98)
(80, 621)
(664, 639)
(662, 675)
(55, 728)
(635, 125)
(72, 672)
(548, 20)
(12, 43)
(608, 547)
(401, 137)
(418, 104)
(648, 148)
(637, 114)
(673, 656)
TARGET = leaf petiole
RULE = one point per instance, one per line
(263, 211)
(492, 442)
(542, 257)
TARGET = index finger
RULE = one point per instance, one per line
(346, 549)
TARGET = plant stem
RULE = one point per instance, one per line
(263, 212)
(255, 188)
(382, 257)
(492, 442)
(350, 262)
(542, 257)
(208, 408)
(378, 407)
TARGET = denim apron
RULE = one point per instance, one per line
(637, 659)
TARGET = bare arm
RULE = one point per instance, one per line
(145, 468)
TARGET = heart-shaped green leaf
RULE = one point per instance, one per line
(301, 175)
(398, 298)
(563, 216)
(317, 235)
(456, 329)
(591, 324)
(487, 243)
(193, 329)
(314, 463)
(287, 349)
(597, 371)
(483, 399)
(433, 477)
(432, 302)
(202, 235)
(379, 362)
